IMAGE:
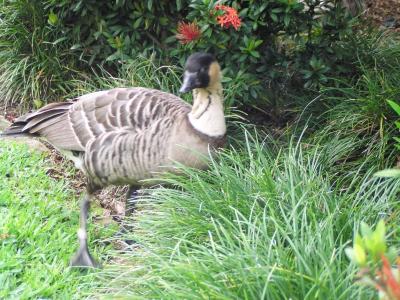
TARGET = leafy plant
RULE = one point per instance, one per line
(371, 254)
(268, 49)
(111, 31)
(277, 42)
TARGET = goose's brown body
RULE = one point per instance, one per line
(123, 135)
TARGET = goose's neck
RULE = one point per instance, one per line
(207, 115)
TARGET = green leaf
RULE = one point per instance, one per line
(226, 79)
(358, 240)
(380, 231)
(38, 103)
(255, 54)
(137, 23)
(114, 56)
(163, 21)
(178, 5)
(307, 74)
(391, 254)
(149, 4)
(395, 106)
(52, 19)
(274, 17)
(253, 93)
(380, 228)
(75, 46)
(360, 255)
(170, 39)
(286, 20)
(366, 231)
(258, 43)
(350, 254)
(57, 41)
(246, 40)
(277, 10)
(388, 173)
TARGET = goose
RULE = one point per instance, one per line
(125, 136)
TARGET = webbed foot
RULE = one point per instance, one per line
(84, 259)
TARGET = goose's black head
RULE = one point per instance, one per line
(201, 71)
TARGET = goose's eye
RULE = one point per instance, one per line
(202, 70)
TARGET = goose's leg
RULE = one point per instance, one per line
(130, 203)
(83, 258)
(131, 196)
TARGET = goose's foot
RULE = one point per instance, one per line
(84, 259)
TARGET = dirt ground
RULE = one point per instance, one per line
(384, 13)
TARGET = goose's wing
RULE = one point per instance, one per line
(71, 125)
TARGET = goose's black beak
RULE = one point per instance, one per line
(190, 82)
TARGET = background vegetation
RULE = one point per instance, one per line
(279, 45)
(312, 86)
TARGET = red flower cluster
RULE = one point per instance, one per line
(188, 32)
(229, 18)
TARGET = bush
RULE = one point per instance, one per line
(112, 31)
(280, 45)
(274, 47)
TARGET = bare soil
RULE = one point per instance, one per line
(384, 13)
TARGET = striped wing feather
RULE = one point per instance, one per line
(71, 125)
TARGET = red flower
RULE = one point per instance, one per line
(188, 32)
(229, 18)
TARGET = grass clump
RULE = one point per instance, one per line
(35, 63)
(148, 72)
(138, 72)
(38, 222)
(263, 223)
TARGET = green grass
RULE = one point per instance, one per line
(38, 222)
(150, 73)
(263, 223)
(269, 220)
(144, 72)
(35, 61)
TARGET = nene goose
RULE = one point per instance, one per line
(126, 135)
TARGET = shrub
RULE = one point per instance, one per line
(276, 46)
(112, 31)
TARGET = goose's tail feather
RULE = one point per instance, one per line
(30, 123)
